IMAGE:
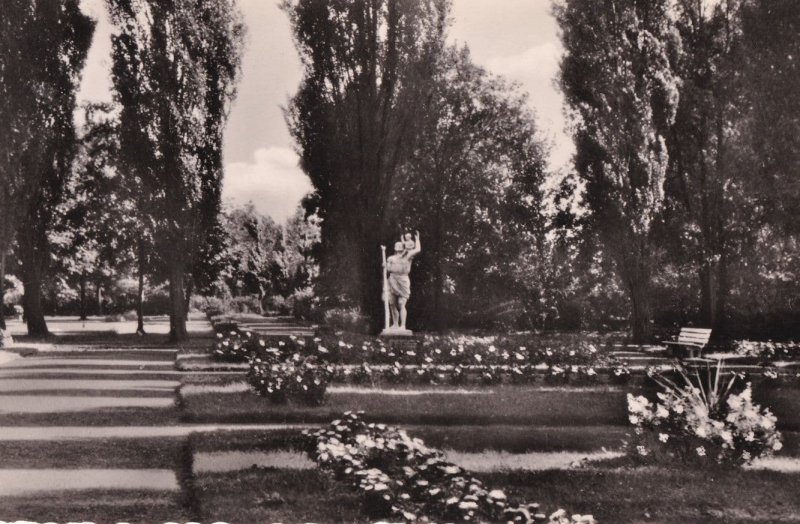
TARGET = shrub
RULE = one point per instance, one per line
(277, 305)
(211, 306)
(768, 351)
(236, 346)
(303, 304)
(299, 379)
(401, 478)
(246, 304)
(702, 422)
(346, 319)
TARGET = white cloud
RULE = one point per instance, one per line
(273, 182)
(536, 69)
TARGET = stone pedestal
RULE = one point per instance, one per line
(396, 332)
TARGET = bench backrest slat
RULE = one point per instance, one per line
(697, 336)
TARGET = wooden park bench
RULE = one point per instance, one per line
(692, 340)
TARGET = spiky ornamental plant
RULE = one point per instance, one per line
(700, 420)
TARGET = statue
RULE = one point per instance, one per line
(397, 284)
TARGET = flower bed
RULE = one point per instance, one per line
(399, 477)
(768, 351)
(697, 421)
(432, 360)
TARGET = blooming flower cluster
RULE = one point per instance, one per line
(401, 478)
(235, 346)
(702, 422)
(768, 351)
(300, 379)
(434, 360)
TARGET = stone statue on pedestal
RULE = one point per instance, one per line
(397, 284)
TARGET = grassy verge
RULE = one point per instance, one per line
(508, 405)
(145, 453)
(99, 417)
(270, 495)
(99, 506)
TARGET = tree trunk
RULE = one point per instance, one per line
(32, 303)
(641, 311)
(189, 287)
(99, 300)
(2, 293)
(83, 296)
(723, 291)
(140, 294)
(371, 280)
(177, 319)
(636, 266)
(707, 295)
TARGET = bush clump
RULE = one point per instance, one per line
(695, 421)
(400, 478)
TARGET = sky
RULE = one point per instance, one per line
(517, 39)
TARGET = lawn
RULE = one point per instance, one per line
(504, 405)
(93, 454)
(611, 495)
(97, 506)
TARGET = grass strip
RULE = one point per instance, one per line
(147, 453)
(99, 506)
(99, 417)
(661, 495)
(273, 495)
(508, 405)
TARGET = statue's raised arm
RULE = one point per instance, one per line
(417, 246)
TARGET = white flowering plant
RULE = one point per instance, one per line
(768, 351)
(432, 360)
(234, 347)
(400, 478)
(698, 420)
(300, 379)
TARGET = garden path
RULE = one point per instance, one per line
(89, 425)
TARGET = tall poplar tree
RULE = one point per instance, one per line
(175, 68)
(43, 46)
(368, 71)
(704, 187)
(618, 78)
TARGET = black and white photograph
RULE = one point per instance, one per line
(399, 261)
